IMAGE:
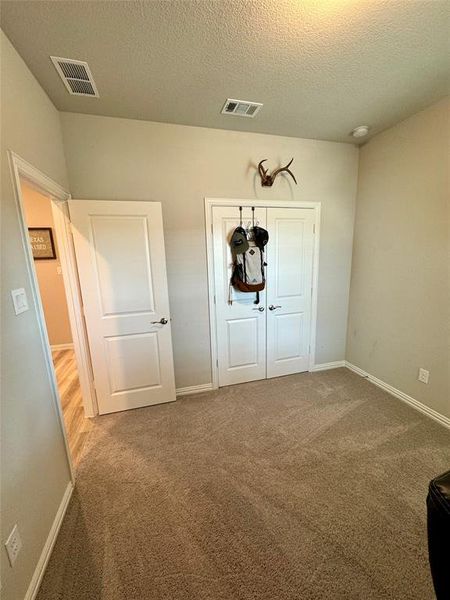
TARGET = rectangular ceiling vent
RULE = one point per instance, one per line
(76, 75)
(241, 108)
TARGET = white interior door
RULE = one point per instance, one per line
(120, 254)
(289, 289)
(241, 325)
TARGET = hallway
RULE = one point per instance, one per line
(77, 425)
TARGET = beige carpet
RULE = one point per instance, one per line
(306, 487)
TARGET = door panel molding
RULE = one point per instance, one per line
(210, 203)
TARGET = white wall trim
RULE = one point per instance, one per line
(426, 410)
(34, 176)
(356, 369)
(330, 365)
(209, 204)
(21, 168)
(194, 389)
(39, 571)
(211, 293)
(61, 347)
(315, 282)
(247, 202)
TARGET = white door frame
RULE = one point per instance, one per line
(22, 170)
(209, 204)
(61, 219)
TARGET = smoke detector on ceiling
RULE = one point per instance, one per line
(76, 76)
(360, 131)
(241, 108)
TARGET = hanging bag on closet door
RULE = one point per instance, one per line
(248, 270)
(248, 261)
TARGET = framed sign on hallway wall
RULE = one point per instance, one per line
(42, 243)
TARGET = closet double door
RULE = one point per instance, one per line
(272, 338)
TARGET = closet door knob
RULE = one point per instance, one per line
(162, 321)
(260, 308)
(272, 307)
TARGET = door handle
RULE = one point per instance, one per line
(162, 321)
(260, 308)
(272, 307)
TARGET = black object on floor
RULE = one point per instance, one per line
(438, 506)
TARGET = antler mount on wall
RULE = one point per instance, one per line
(267, 178)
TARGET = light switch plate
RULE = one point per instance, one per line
(20, 300)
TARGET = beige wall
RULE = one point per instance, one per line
(121, 159)
(399, 302)
(38, 213)
(34, 467)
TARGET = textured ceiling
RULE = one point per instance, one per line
(321, 67)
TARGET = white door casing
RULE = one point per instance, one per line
(241, 325)
(290, 254)
(121, 262)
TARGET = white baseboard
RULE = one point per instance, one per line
(356, 369)
(194, 389)
(61, 347)
(39, 571)
(426, 410)
(330, 365)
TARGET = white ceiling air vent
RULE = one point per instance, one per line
(76, 75)
(241, 108)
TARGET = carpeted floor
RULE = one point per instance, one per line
(305, 487)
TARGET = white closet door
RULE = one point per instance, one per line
(241, 326)
(122, 268)
(289, 289)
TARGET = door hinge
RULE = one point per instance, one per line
(217, 362)
(214, 299)
(314, 228)
(212, 230)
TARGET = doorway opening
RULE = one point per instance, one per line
(39, 198)
(45, 246)
(120, 324)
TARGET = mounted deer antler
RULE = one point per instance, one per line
(268, 179)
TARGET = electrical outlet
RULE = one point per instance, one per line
(13, 545)
(424, 375)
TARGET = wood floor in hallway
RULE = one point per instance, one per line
(77, 425)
